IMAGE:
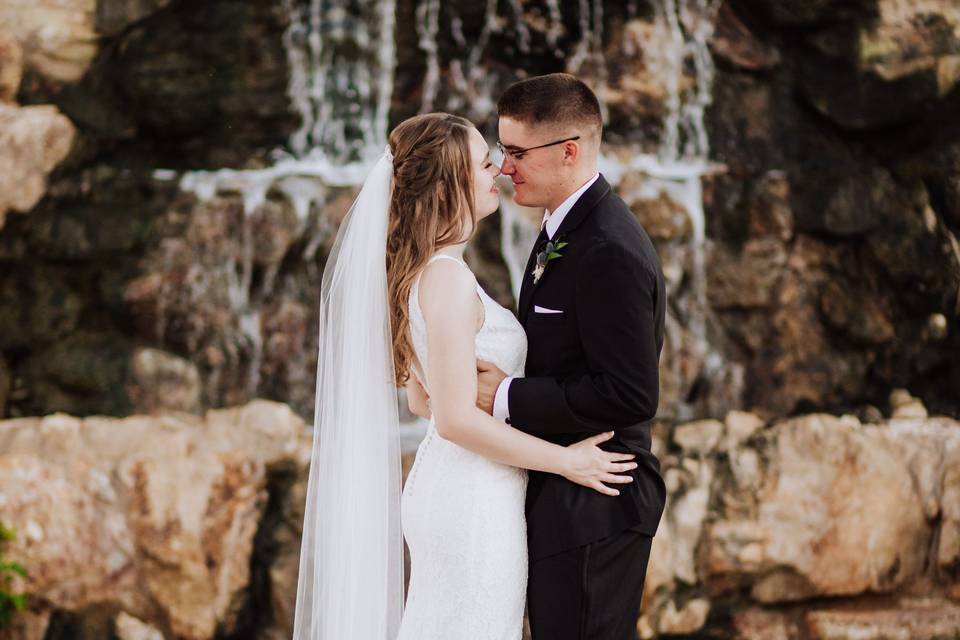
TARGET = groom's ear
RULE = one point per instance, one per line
(571, 152)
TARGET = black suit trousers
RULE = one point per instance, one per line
(591, 592)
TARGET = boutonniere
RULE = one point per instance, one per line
(550, 251)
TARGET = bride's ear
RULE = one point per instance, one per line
(440, 192)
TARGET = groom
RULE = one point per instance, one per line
(592, 303)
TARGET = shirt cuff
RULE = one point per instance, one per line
(501, 407)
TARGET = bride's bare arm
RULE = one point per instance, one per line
(452, 310)
(417, 398)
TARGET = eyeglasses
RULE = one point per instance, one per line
(517, 154)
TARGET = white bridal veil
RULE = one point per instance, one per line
(350, 585)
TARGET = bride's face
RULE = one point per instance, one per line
(486, 197)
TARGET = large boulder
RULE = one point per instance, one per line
(69, 526)
(191, 526)
(194, 526)
(33, 140)
(152, 515)
(59, 37)
(827, 495)
(161, 381)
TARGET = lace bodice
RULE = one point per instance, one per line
(501, 340)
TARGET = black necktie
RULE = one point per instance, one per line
(541, 239)
(537, 247)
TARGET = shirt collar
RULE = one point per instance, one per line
(554, 219)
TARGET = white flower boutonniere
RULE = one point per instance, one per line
(550, 251)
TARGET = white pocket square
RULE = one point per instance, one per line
(538, 309)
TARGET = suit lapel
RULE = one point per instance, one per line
(577, 214)
(526, 284)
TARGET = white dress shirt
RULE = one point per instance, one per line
(501, 409)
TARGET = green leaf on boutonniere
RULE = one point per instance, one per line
(551, 251)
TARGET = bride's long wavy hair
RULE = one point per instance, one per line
(432, 190)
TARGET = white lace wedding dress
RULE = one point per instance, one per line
(463, 515)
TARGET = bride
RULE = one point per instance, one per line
(400, 307)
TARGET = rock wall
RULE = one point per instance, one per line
(796, 164)
(814, 527)
(834, 275)
(823, 273)
(137, 86)
(159, 517)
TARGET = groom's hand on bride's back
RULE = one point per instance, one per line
(489, 378)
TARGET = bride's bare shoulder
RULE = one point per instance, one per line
(446, 283)
(445, 273)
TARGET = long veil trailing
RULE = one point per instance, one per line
(350, 585)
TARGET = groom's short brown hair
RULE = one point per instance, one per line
(553, 99)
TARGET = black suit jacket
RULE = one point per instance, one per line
(593, 368)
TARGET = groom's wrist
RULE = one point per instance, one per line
(501, 404)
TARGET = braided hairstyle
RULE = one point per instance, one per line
(431, 193)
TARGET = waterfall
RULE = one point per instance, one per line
(587, 60)
(428, 25)
(519, 228)
(682, 160)
(343, 97)
(470, 87)
(674, 166)
(685, 30)
(341, 81)
(341, 59)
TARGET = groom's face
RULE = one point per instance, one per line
(534, 174)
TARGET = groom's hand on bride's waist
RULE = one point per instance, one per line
(489, 378)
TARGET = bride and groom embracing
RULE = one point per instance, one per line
(535, 484)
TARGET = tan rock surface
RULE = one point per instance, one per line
(57, 36)
(27, 625)
(920, 619)
(162, 381)
(194, 524)
(153, 515)
(33, 140)
(156, 515)
(931, 448)
(130, 628)
(755, 623)
(11, 66)
(836, 513)
(911, 36)
(71, 535)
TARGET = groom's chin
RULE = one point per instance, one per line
(519, 199)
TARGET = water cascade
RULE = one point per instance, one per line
(672, 166)
(342, 63)
(343, 99)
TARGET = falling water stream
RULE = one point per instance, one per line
(674, 168)
(342, 63)
(343, 99)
